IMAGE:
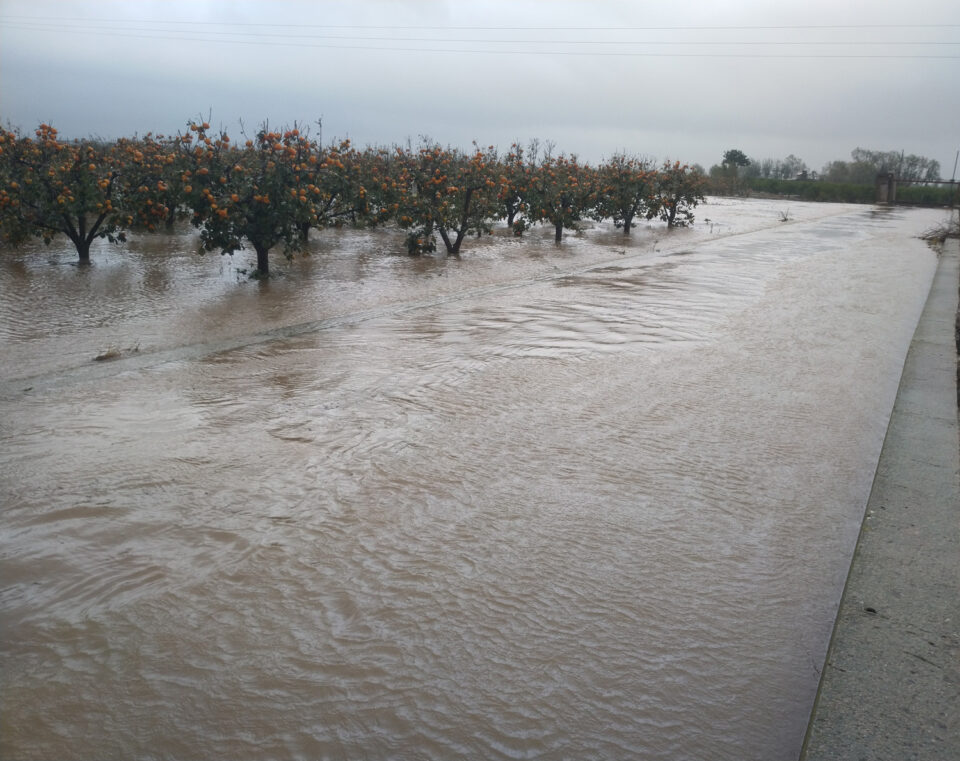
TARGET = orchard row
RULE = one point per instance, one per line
(272, 189)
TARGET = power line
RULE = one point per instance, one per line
(184, 37)
(487, 28)
(55, 27)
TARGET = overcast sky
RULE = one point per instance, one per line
(813, 78)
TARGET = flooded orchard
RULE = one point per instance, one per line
(587, 501)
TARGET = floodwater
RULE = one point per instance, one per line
(594, 502)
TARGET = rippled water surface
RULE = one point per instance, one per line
(594, 501)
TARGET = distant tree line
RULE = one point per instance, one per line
(272, 189)
(867, 164)
(862, 169)
(851, 181)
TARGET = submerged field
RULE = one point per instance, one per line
(595, 500)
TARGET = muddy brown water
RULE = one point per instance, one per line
(595, 501)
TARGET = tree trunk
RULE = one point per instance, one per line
(83, 250)
(77, 234)
(304, 230)
(263, 261)
(627, 222)
(453, 246)
(80, 242)
(446, 240)
(558, 232)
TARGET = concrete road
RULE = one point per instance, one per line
(891, 684)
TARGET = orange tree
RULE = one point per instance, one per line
(300, 159)
(447, 192)
(378, 173)
(295, 161)
(50, 187)
(342, 185)
(412, 177)
(625, 190)
(253, 194)
(154, 181)
(514, 184)
(562, 192)
(677, 191)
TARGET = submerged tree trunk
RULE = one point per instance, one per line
(263, 261)
(83, 250)
(627, 223)
(304, 230)
(446, 239)
(558, 232)
(452, 246)
(80, 237)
